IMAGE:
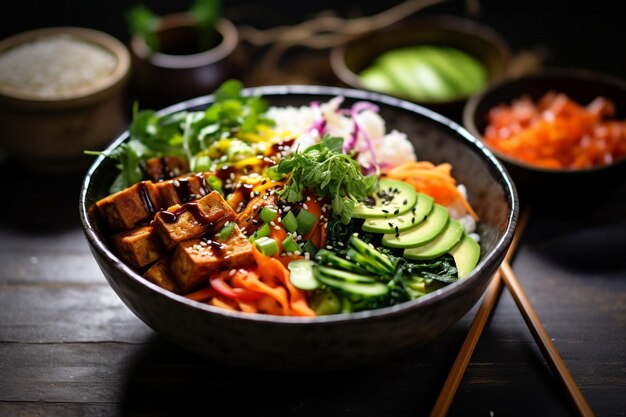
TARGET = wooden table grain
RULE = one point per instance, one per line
(70, 347)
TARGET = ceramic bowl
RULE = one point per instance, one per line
(472, 37)
(160, 79)
(325, 342)
(50, 133)
(582, 86)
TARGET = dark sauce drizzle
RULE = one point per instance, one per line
(145, 197)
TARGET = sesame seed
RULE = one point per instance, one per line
(276, 227)
(305, 206)
(176, 183)
(232, 272)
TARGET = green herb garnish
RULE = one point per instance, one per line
(205, 13)
(325, 169)
(187, 133)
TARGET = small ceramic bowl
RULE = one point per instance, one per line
(325, 342)
(160, 79)
(580, 85)
(471, 37)
(49, 131)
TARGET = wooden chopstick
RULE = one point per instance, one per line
(544, 342)
(442, 405)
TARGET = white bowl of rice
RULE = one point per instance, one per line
(62, 91)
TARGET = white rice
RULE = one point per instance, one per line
(55, 67)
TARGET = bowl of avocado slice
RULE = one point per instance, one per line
(436, 60)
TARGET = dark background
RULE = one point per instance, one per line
(587, 34)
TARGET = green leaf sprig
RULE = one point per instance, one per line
(187, 133)
(330, 173)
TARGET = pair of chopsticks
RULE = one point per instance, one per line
(549, 351)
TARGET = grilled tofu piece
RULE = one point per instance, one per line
(124, 209)
(182, 189)
(161, 275)
(138, 247)
(248, 219)
(166, 167)
(192, 220)
(195, 260)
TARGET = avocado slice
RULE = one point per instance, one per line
(400, 67)
(448, 237)
(421, 234)
(375, 78)
(403, 222)
(466, 254)
(392, 198)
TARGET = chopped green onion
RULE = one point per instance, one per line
(290, 245)
(306, 221)
(268, 214)
(201, 163)
(290, 222)
(267, 246)
(214, 182)
(310, 248)
(263, 231)
(227, 230)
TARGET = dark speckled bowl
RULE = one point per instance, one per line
(329, 342)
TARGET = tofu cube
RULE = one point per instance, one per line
(138, 247)
(166, 167)
(195, 260)
(124, 209)
(192, 220)
(181, 190)
(160, 274)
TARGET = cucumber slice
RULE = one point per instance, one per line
(466, 254)
(393, 198)
(343, 275)
(449, 237)
(374, 289)
(369, 252)
(422, 233)
(403, 222)
(301, 275)
(328, 258)
(326, 302)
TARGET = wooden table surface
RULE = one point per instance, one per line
(70, 347)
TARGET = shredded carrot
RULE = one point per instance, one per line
(270, 267)
(433, 180)
(314, 207)
(252, 281)
(223, 302)
(279, 234)
(202, 294)
(557, 132)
